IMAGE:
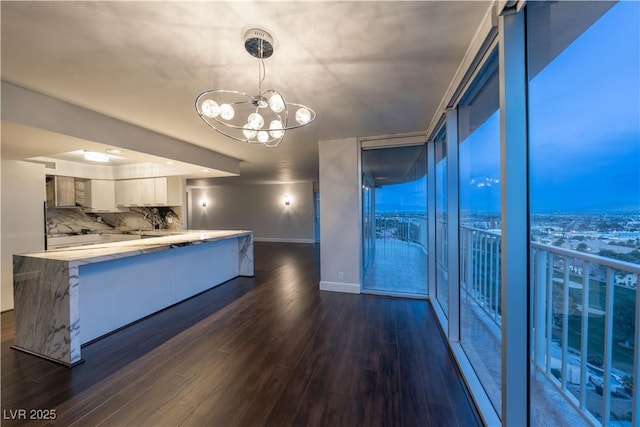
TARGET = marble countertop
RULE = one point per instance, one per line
(107, 251)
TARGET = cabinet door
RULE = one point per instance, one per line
(50, 188)
(147, 191)
(102, 195)
(122, 193)
(174, 191)
(128, 192)
(161, 191)
(135, 190)
(65, 191)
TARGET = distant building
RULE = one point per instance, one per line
(628, 280)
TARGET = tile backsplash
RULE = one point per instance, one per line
(72, 221)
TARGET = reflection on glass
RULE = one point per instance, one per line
(395, 220)
(442, 290)
(584, 143)
(480, 249)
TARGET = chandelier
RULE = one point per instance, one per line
(256, 119)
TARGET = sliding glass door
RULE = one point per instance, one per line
(394, 220)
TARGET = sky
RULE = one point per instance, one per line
(410, 196)
(584, 120)
(584, 130)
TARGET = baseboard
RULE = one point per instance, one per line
(350, 288)
(281, 240)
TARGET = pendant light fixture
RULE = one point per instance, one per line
(263, 118)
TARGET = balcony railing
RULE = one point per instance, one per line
(575, 296)
(409, 227)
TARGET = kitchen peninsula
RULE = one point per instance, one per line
(67, 297)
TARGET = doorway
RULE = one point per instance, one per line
(394, 220)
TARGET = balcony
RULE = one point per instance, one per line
(396, 257)
(566, 388)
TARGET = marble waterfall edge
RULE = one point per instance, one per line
(46, 292)
(245, 251)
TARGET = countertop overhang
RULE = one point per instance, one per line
(88, 254)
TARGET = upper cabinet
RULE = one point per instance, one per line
(164, 191)
(96, 194)
(104, 195)
(61, 191)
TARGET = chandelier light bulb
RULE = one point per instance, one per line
(276, 129)
(255, 121)
(210, 108)
(276, 103)
(263, 136)
(227, 112)
(248, 132)
(303, 116)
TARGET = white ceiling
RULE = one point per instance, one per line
(367, 68)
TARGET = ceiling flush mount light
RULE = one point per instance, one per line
(258, 119)
(96, 157)
(114, 151)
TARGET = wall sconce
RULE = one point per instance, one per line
(287, 200)
(203, 202)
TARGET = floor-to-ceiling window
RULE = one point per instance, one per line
(440, 176)
(584, 145)
(395, 220)
(579, 115)
(479, 232)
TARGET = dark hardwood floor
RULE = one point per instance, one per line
(272, 350)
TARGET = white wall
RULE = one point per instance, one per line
(22, 219)
(259, 208)
(339, 216)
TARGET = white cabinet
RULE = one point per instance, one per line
(148, 191)
(129, 192)
(99, 195)
(164, 191)
(123, 195)
(160, 190)
(169, 191)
